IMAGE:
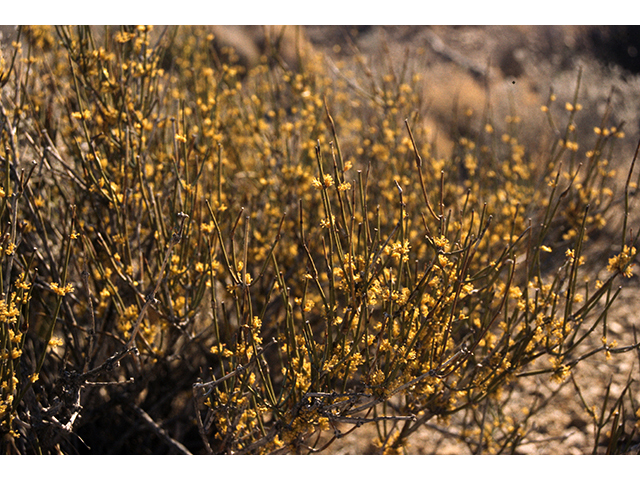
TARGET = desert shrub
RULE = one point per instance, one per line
(262, 261)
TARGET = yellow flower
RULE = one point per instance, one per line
(123, 37)
(573, 146)
(326, 182)
(308, 305)
(621, 263)
(326, 223)
(207, 227)
(85, 114)
(21, 283)
(441, 242)
(561, 374)
(61, 291)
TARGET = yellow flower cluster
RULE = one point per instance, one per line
(621, 263)
(61, 291)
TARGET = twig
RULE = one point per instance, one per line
(239, 369)
(158, 430)
(108, 365)
(326, 409)
(201, 429)
(175, 239)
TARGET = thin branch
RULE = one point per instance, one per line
(159, 431)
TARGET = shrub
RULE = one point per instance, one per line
(263, 261)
